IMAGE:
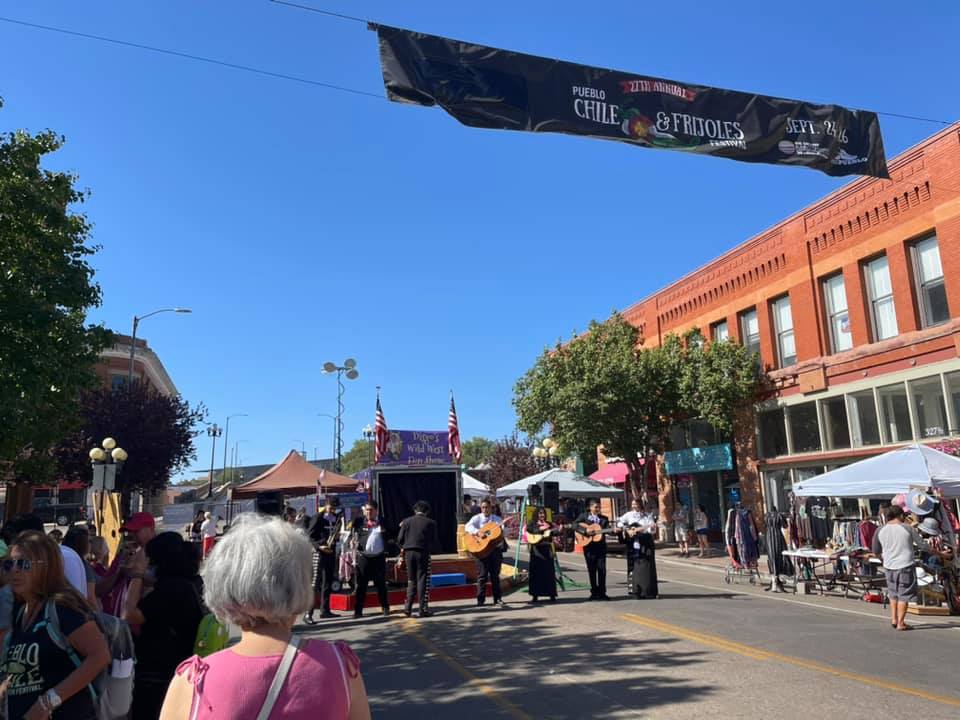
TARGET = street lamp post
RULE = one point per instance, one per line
(106, 461)
(333, 448)
(547, 454)
(349, 368)
(214, 431)
(133, 335)
(368, 434)
(226, 440)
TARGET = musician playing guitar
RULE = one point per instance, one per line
(323, 533)
(488, 567)
(541, 537)
(595, 553)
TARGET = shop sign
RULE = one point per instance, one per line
(698, 460)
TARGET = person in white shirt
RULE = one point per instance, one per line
(701, 523)
(635, 517)
(897, 543)
(209, 532)
(681, 521)
(488, 568)
(371, 559)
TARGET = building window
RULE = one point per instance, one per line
(931, 292)
(836, 431)
(895, 411)
(880, 291)
(720, 332)
(117, 382)
(750, 330)
(835, 300)
(778, 485)
(805, 473)
(804, 428)
(773, 433)
(783, 326)
(953, 387)
(864, 427)
(930, 408)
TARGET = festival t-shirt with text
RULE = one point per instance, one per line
(35, 665)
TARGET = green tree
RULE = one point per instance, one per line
(511, 460)
(156, 430)
(47, 350)
(477, 450)
(357, 458)
(602, 388)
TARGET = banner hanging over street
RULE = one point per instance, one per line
(492, 88)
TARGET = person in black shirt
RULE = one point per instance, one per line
(323, 532)
(169, 615)
(417, 536)
(42, 678)
(595, 553)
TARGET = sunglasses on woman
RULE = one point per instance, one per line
(23, 564)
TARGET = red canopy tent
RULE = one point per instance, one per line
(612, 474)
(294, 477)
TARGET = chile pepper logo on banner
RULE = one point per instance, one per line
(492, 88)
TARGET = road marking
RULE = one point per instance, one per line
(756, 653)
(411, 627)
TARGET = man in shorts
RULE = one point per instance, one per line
(896, 542)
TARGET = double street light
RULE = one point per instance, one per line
(547, 454)
(349, 368)
(133, 335)
(214, 431)
(369, 434)
(106, 459)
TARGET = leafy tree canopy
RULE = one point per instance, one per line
(47, 350)
(511, 460)
(357, 458)
(477, 450)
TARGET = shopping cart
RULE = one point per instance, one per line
(735, 572)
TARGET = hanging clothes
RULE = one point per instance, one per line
(746, 537)
(777, 562)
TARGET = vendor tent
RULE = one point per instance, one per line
(612, 474)
(883, 476)
(294, 476)
(473, 487)
(571, 485)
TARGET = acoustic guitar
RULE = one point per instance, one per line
(548, 534)
(586, 534)
(484, 542)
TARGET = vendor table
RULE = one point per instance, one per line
(815, 559)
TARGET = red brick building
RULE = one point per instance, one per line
(853, 304)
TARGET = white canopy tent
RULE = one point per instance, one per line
(883, 476)
(473, 487)
(571, 485)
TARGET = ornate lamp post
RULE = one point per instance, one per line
(349, 368)
(547, 454)
(368, 435)
(214, 431)
(106, 460)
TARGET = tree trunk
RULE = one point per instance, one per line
(635, 484)
(666, 498)
(745, 442)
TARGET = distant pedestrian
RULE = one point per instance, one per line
(701, 524)
(681, 524)
(896, 542)
(196, 536)
(416, 538)
(322, 679)
(78, 540)
(209, 532)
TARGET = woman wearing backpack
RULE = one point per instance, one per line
(313, 678)
(164, 599)
(43, 678)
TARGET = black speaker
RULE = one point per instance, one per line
(533, 495)
(550, 492)
(269, 503)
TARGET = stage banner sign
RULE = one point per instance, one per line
(488, 87)
(417, 447)
(700, 459)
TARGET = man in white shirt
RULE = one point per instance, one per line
(209, 532)
(635, 517)
(489, 566)
(371, 559)
(897, 543)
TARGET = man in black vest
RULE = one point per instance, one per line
(595, 553)
(324, 529)
(417, 536)
(371, 558)
(488, 568)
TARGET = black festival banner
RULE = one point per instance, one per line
(492, 88)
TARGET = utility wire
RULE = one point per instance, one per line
(319, 11)
(197, 58)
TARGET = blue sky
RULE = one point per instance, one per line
(303, 225)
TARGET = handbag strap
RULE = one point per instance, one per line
(279, 678)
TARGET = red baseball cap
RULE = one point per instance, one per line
(139, 521)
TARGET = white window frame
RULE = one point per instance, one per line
(716, 327)
(921, 284)
(875, 300)
(834, 313)
(782, 332)
(743, 328)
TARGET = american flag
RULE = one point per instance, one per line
(453, 432)
(382, 435)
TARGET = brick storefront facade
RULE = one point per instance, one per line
(901, 360)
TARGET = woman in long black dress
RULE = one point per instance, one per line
(644, 562)
(540, 539)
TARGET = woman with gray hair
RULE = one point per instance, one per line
(258, 576)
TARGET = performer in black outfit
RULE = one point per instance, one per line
(644, 584)
(595, 553)
(371, 558)
(323, 533)
(543, 579)
(488, 567)
(417, 536)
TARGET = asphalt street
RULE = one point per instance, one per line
(704, 649)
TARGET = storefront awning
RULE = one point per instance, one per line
(612, 474)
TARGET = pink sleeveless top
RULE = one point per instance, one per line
(228, 686)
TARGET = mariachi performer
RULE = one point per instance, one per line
(417, 536)
(595, 553)
(641, 538)
(488, 567)
(324, 532)
(540, 539)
